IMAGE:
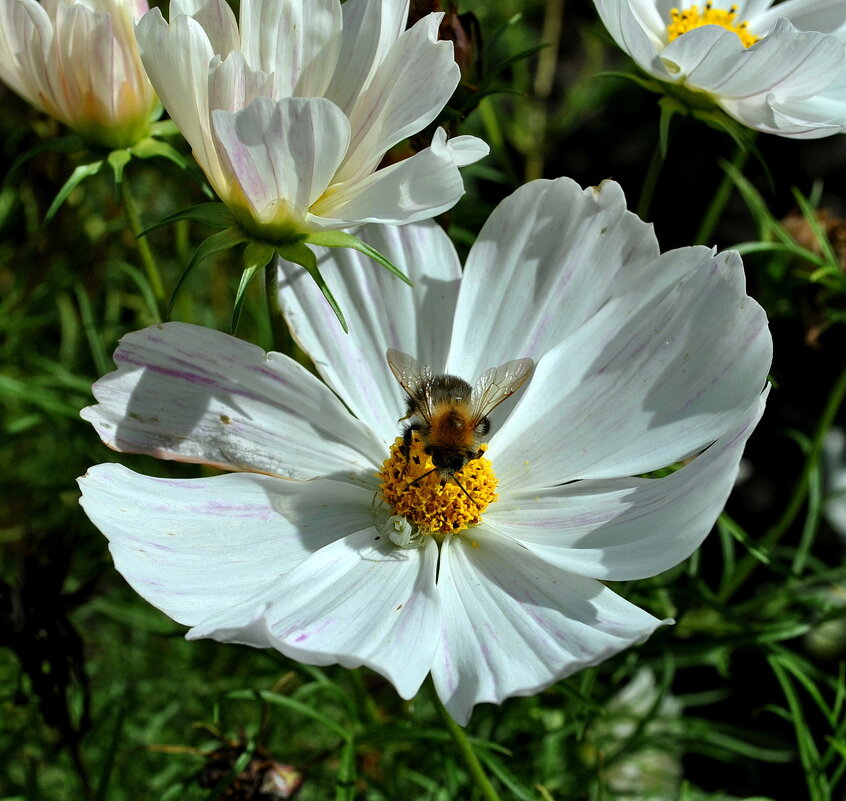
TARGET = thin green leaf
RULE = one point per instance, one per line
(301, 254)
(247, 275)
(646, 83)
(214, 215)
(64, 144)
(345, 783)
(92, 333)
(810, 216)
(341, 239)
(307, 710)
(669, 107)
(82, 172)
(223, 240)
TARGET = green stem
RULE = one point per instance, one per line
(465, 748)
(144, 251)
(279, 333)
(800, 492)
(718, 202)
(650, 182)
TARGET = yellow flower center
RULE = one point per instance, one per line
(690, 18)
(430, 502)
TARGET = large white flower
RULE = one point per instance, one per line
(78, 61)
(642, 360)
(777, 68)
(291, 112)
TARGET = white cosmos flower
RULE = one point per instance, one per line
(290, 112)
(77, 60)
(642, 360)
(778, 68)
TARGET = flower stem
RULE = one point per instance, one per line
(279, 334)
(797, 498)
(144, 251)
(649, 182)
(465, 748)
(718, 202)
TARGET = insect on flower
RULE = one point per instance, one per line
(449, 415)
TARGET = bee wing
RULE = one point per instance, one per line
(496, 384)
(414, 377)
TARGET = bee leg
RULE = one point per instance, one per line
(406, 439)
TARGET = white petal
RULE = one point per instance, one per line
(417, 188)
(635, 389)
(282, 153)
(786, 64)
(26, 38)
(233, 85)
(358, 601)
(297, 41)
(216, 19)
(370, 28)
(513, 625)
(547, 259)
(195, 547)
(821, 115)
(825, 16)
(177, 58)
(628, 528)
(192, 394)
(638, 29)
(411, 86)
(382, 312)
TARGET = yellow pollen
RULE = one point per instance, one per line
(690, 18)
(435, 504)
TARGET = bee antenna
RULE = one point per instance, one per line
(412, 483)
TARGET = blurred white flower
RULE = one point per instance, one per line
(650, 770)
(290, 112)
(77, 60)
(778, 68)
(641, 360)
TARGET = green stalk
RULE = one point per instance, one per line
(465, 748)
(649, 182)
(721, 196)
(797, 499)
(144, 251)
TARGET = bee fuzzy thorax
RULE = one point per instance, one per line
(435, 503)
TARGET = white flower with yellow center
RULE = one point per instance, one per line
(290, 111)
(778, 68)
(77, 60)
(324, 542)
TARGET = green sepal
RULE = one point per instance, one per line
(669, 106)
(222, 240)
(82, 172)
(256, 258)
(164, 128)
(649, 84)
(151, 148)
(341, 239)
(64, 144)
(300, 253)
(214, 215)
(117, 160)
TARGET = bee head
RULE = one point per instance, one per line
(447, 462)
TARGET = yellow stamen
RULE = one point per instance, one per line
(690, 18)
(436, 505)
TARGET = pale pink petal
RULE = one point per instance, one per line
(282, 153)
(382, 312)
(193, 394)
(513, 625)
(198, 547)
(639, 388)
(628, 528)
(357, 601)
(297, 41)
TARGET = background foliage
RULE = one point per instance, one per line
(101, 698)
